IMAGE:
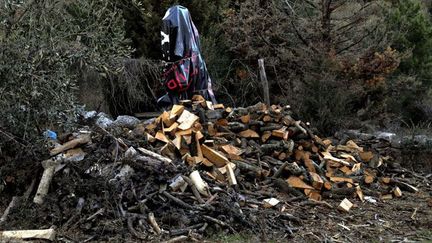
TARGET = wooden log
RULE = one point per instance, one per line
(13, 203)
(230, 174)
(264, 81)
(280, 170)
(213, 156)
(154, 224)
(237, 126)
(283, 186)
(317, 182)
(176, 111)
(199, 183)
(313, 194)
(368, 179)
(44, 184)
(155, 155)
(271, 127)
(150, 138)
(161, 137)
(187, 120)
(194, 189)
(172, 129)
(341, 179)
(218, 106)
(404, 186)
(359, 193)
(231, 150)
(294, 169)
(267, 118)
(245, 119)
(296, 182)
(249, 134)
(339, 192)
(286, 146)
(243, 166)
(81, 139)
(46, 234)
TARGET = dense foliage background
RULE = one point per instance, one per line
(338, 63)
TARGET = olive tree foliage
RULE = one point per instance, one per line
(327, 58)
(44, 45)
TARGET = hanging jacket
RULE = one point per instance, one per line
(185, 73)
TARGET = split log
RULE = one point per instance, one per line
(231, 176)
(213, 156)
(47, 234)
(81, 139)
(249, 134)
(296, 182)
(345, 205)
(176, 111)
(149, 161)
(317, 181)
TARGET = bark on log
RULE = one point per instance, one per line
(338, 193)
(286, 146)
(283, 186)
(248, 167)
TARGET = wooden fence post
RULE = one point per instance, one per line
(264, 81)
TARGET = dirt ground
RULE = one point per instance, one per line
(405, 219)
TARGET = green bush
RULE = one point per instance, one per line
(411, 24)
(44, 45)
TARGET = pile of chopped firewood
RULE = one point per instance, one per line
(266, 143)
(202, 168)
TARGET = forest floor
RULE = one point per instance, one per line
(404, 219)
(399, 220)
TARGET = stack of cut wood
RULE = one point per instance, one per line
(201, 168)
(268, 144)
